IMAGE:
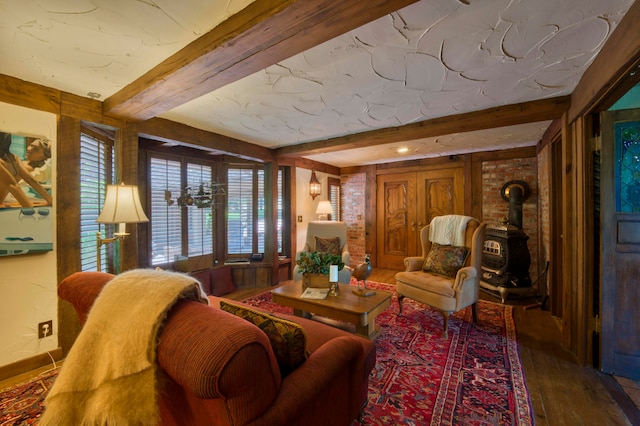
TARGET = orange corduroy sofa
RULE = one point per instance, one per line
(219, 369)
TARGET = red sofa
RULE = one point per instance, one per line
(220, 369)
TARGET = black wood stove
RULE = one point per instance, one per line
(505, 256)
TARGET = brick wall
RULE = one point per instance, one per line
(494, 175)
(353, 213)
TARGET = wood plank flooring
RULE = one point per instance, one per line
(562, 392)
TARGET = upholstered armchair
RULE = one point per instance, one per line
(447, 275)
(329, 236)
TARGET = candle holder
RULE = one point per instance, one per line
(333, 280)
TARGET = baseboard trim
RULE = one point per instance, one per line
(29, 364)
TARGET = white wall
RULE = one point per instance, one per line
(305, 205)
(28, 282)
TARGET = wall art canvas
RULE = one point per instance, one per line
(26, 200)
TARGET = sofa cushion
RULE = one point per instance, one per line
(328, 245)
(204, 278)
(445, 260)
(221, 281)
(288, 339)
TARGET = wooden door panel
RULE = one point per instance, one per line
(440, 192)
(396, 194)
(406, 203)
(620, 218)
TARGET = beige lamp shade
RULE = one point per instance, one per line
(122, 205)
(324, 207)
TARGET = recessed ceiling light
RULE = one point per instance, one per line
(403, 150)
(94, 95)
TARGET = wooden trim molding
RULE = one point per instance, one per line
(30, 364)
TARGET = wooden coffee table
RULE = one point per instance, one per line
(346, 306)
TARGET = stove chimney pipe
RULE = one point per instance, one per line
(515, 192)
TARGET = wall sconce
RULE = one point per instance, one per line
(121, 205)
(324, 209)
(314, 185)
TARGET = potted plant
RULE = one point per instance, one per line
(315, 267)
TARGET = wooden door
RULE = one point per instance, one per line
(440, 192)
(406, 203)
(396, 197)
(620, 216)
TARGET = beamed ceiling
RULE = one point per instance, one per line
(341, 82)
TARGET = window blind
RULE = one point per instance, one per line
(199, 221)
(165, 220)
(95, 173)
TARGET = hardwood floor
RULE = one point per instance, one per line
(562, 392)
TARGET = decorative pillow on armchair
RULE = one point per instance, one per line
(328, 245)
(445, 260)
(288, 339)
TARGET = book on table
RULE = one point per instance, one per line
(315, 293)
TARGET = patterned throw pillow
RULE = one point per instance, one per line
(328, 245)
(288, 339)
(445, 260)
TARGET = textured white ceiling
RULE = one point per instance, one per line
(432, 59)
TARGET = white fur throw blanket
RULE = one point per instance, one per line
(449, 229)
(109, 376)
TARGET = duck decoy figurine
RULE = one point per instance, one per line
(361, 272)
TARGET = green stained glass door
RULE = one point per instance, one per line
(627, 137)
(620, 242)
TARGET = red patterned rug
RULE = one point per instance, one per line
(23, 404)
(473, 378)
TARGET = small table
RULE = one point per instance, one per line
(346, 306)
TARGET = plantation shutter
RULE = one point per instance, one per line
(240, 210)
(96, 171)
(200, 221)
(260, 216)
(280, 211)
(166, 220)
(334, 198)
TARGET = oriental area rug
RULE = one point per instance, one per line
(472, 378)
(23, 404)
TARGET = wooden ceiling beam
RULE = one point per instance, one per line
(262, 34)
(508, 115)
(170, 132)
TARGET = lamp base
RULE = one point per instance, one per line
(363, 292)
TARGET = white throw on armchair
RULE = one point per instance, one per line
(323, 233)
(438, 278)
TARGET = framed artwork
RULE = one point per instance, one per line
(26, 200)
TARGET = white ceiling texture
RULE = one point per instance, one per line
(435, 58)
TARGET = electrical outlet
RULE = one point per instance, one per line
(45, 329)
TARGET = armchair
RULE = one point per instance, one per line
(324, 232)
(439, 278)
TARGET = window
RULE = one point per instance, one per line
(166, 219)
(280, 210)
(96, 171)
(241, 183)
(199, 221)
(334, 198)
(175, 230)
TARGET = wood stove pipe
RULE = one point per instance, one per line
(515, 192)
